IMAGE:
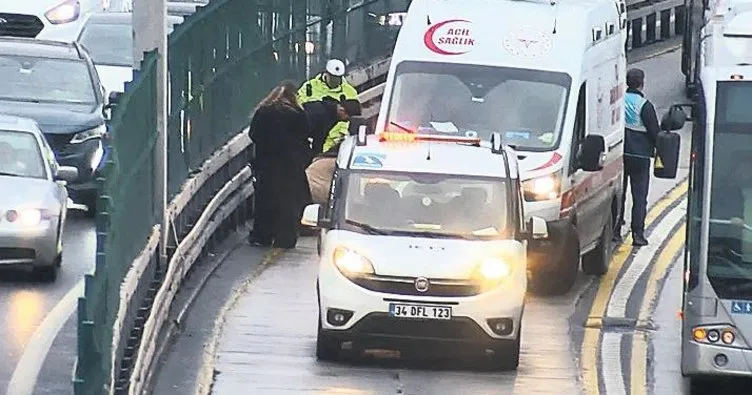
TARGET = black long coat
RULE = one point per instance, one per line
(280, 133)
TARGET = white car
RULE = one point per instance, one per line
(57, 20)
(32, 216)
(423, 246)
(108, 36)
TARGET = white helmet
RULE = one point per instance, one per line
(335, 67)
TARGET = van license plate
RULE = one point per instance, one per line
(420, 311)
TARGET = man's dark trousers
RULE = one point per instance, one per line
(637, 173)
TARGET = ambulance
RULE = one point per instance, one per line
(423, 248)
(548, 76)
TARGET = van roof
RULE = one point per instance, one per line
(513, 33)
(427, 157)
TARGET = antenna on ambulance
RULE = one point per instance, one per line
(556, 14)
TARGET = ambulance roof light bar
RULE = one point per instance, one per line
(726, 10)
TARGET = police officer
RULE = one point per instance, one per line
(330, 83)
(640, 134)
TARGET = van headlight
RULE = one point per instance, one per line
(351, 263)
(493, 269)
(546, 187)
(67, 11)
(89, 134)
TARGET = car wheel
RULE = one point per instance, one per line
(558, 276)
(47, 274)
(596, 261)
(506, 356)
(327, 348)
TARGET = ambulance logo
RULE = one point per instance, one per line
(528, 43)
(452, 37)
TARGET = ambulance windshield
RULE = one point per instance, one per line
(428, 205)
(526, 106)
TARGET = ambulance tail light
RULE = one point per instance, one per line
(413, 137)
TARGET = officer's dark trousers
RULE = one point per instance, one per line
(637, 174)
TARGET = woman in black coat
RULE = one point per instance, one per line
(280, 131)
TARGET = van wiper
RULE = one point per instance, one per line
(368, 228)
(404, 128)
(2, 173)
(432, 235)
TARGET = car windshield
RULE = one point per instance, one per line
(526, 106)
(429, 205)
(109, 44)
(45, 80)
(20, 155)
(730, 232)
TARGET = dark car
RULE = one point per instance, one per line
(57, 85)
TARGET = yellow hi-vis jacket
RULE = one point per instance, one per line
(316, 89)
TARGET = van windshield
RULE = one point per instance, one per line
(428, 205)
(526, 106)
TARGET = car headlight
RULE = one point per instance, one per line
(67, 11)
(351, 263)
(89, 134)
(25, 217)
(493, 269)
(547, 187)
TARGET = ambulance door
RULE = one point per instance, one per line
(581, 186)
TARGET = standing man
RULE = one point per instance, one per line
(331, 83)
(641, 130)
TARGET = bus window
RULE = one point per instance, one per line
(730, 236)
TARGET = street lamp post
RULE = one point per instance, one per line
(150, 32)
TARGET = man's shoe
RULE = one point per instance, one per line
(639, 241)
(617, 238)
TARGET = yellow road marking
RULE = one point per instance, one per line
(639, 380)
(590, 341)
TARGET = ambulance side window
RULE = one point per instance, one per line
(580, 126)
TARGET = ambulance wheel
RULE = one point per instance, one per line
(327, 348)
(596, 262)
(558, 274)
(506, 356)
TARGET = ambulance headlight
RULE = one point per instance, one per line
(351, 263)
(493, 269)
(546, 187)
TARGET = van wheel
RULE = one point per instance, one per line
(327, 348)
(507, 355)
(596, 261)
(558, 275)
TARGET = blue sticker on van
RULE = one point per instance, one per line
(522, 135)
(369, 161)
(741, 307)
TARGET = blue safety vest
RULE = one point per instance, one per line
(633, 104)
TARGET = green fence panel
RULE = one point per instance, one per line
(124, 223)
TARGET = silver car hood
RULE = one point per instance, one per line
(19, 192)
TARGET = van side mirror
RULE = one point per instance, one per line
(538, 228)
(312, 216)
(675, 118)
(66, 173)
(356, 122)
(113, 99)
(590, 157)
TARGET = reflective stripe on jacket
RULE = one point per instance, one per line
(633, 104)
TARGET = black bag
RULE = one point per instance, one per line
(667, 147)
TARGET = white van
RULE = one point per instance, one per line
(423, 248)
(550, 77)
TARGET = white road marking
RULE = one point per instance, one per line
(617, 305)
(24, 377)
(613, 376)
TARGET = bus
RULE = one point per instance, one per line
(717, 290)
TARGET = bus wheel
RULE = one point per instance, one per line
(557, 274)
(596, 261)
